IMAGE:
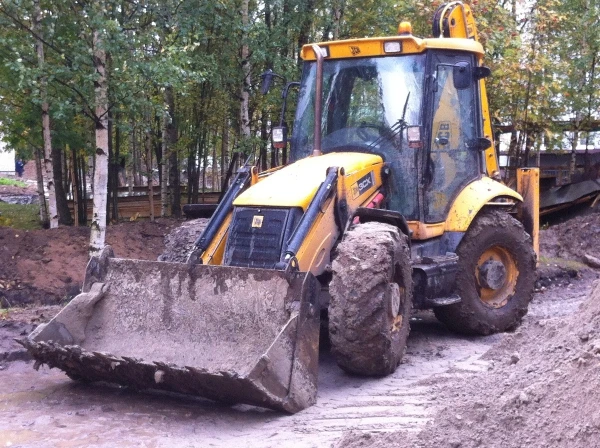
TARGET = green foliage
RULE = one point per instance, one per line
(544, 59)
(12, 182)
(25, 217)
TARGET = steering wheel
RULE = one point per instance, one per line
(363, 133)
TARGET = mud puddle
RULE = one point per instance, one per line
(46, 408)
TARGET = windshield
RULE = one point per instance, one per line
(367, 105)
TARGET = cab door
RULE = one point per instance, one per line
(451, 162)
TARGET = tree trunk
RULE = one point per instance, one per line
(84, 169)
(264, 136)
(74, 185)
(98, 230)
(62, 205)
(224, 150)
(150, 180)
(246, 83)
(44, 218)
(164, 173)
(573, 160)
(171, 138)
(131, 171)
(338, 13)
(214, 179)
(116, 166)
(52, 210)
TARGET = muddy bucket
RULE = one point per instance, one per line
(237, 335)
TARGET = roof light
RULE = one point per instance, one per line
(394, 46)
(324, 51)
(405, 28)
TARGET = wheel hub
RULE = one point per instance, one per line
(394, 299)
(492, 274)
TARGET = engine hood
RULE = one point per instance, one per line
(296, 184)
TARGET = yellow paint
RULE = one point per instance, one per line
(497, 298)
(214, 253)
(373, 46)
(295, 185)
(528, 185)
(472, 198)
(460, 21)
(314, 254)
(491, 160)
(422, 231)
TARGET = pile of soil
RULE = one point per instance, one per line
(180, 241)
(47, 266)
(573, 239)
(542, 379)
(540, 396)
(12, 194)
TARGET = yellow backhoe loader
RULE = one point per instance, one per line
(390, 202)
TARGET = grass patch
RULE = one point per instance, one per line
(26, 217)
(12, 182)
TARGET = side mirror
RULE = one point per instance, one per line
(267, 80)
(463, 75)
(479, 144)
(481, 72)
(279, 136)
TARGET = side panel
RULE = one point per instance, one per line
(353, 190)
(472, 198)
(528, 185)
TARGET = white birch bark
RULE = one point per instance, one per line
(98, 231)
(39, 173)
(48, 171)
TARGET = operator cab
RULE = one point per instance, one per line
(372, 102)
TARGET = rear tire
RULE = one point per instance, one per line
(494, 237)
(371, 299)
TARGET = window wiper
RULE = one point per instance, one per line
(391, 132)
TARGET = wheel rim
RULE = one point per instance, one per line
(499, 293)
(397, 297)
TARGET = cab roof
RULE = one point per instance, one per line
(374, 46)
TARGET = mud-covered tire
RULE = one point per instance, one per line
(494, 235)
(371, 299)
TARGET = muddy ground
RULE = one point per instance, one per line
(534, 387)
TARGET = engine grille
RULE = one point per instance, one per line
(256, 236)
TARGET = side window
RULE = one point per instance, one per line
(452, 163)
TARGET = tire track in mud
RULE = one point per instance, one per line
(39, 409)
(110, 415)
(403, 401)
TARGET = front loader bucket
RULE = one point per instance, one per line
(237, 335)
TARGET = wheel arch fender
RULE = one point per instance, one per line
(392, 217)
(476, 196)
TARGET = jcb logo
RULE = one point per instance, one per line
(354, 50)
(257, 221)
(362, 185)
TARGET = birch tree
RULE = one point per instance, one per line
(48, 169)
(98, 227)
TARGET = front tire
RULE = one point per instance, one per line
(371, 299)
(495, 279)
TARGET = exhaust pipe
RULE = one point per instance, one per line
(318, 100)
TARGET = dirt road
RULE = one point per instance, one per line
(45, 408)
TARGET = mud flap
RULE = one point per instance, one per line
(236, 335)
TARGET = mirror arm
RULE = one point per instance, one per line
(284, 95)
